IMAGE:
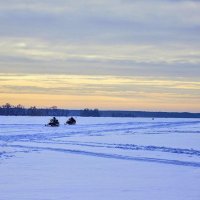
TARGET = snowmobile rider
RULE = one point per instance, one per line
(71, 121)
(54, 122)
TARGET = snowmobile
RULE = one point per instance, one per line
(70, 121)
(53, 123)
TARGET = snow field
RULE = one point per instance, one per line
(99, 158)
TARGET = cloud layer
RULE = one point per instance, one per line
(154, 40)
(79, 90)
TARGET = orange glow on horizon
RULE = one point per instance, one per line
(102, 92)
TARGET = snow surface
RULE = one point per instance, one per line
(99, 159)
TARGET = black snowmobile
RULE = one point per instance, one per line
(71, 121)
(53, 122)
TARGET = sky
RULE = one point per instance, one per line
(116, 54)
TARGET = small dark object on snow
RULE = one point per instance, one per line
(53, 122)
(71, 121)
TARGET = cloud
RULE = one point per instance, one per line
(73, 83)
(32, 55)
(100, 20)
(103, 38)
(98, 90)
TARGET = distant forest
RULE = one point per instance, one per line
(19, 110)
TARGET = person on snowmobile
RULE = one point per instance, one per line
(71, 121)
(54, 122)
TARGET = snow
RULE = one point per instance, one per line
(99, 158)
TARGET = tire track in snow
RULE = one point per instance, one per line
(111, 156)
(133, 147)
(89, 129)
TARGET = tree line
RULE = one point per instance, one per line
(20, 110)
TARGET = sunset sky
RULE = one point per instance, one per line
(116, 54)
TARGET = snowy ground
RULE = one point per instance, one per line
(100, 159)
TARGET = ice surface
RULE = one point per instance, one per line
(99, 158)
